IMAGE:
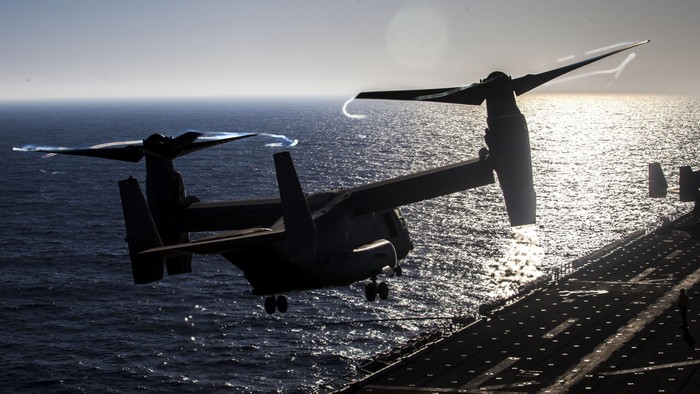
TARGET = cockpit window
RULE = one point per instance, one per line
(401, 218)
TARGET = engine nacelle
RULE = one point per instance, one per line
(509, 145)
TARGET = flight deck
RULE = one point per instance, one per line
(612, 325)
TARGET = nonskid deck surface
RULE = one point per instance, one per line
(612, 326)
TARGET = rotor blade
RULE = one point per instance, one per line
(130, 153)
(528, 82)
(476, 93)
(133, 151)
(116, 143)
(209, 142)
(473, 94)
(174, 148)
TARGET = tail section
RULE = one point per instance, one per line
(141, 233)
(689, 183)
(298, 223)
(658, 186)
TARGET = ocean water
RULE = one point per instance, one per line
(73, 321)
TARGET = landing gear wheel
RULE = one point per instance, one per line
(383, 290)
(282, 304)
(270, 304)
(398, 270)
(371, 291)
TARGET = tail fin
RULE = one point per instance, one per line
(298, 223)
(658, 186)
(689, 182)
(141, 233)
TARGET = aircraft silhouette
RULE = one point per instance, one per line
(298, 242)
(688, 190)
(688, 183)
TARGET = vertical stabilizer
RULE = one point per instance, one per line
(141, 233)
(658, 187)
(298, 223)
(689, 182)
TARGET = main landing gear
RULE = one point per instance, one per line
(372, 290)
(273, 303)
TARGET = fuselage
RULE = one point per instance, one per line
(349, 246)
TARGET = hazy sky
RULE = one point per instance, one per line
(94, 48)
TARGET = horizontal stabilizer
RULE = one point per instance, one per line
(222, 243)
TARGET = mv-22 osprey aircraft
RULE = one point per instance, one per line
(688, 190)
(299, 242)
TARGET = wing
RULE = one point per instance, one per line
(229, 241)
(422, 186)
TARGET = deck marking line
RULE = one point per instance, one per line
(508, 386)
(559, 329)
(673, 255)
(651, 368)
(412, 389)
(642, 275)
(627, 283)
(491, 372)
(614, 342)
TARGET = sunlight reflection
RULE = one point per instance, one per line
(520, 264)
(417, 37)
